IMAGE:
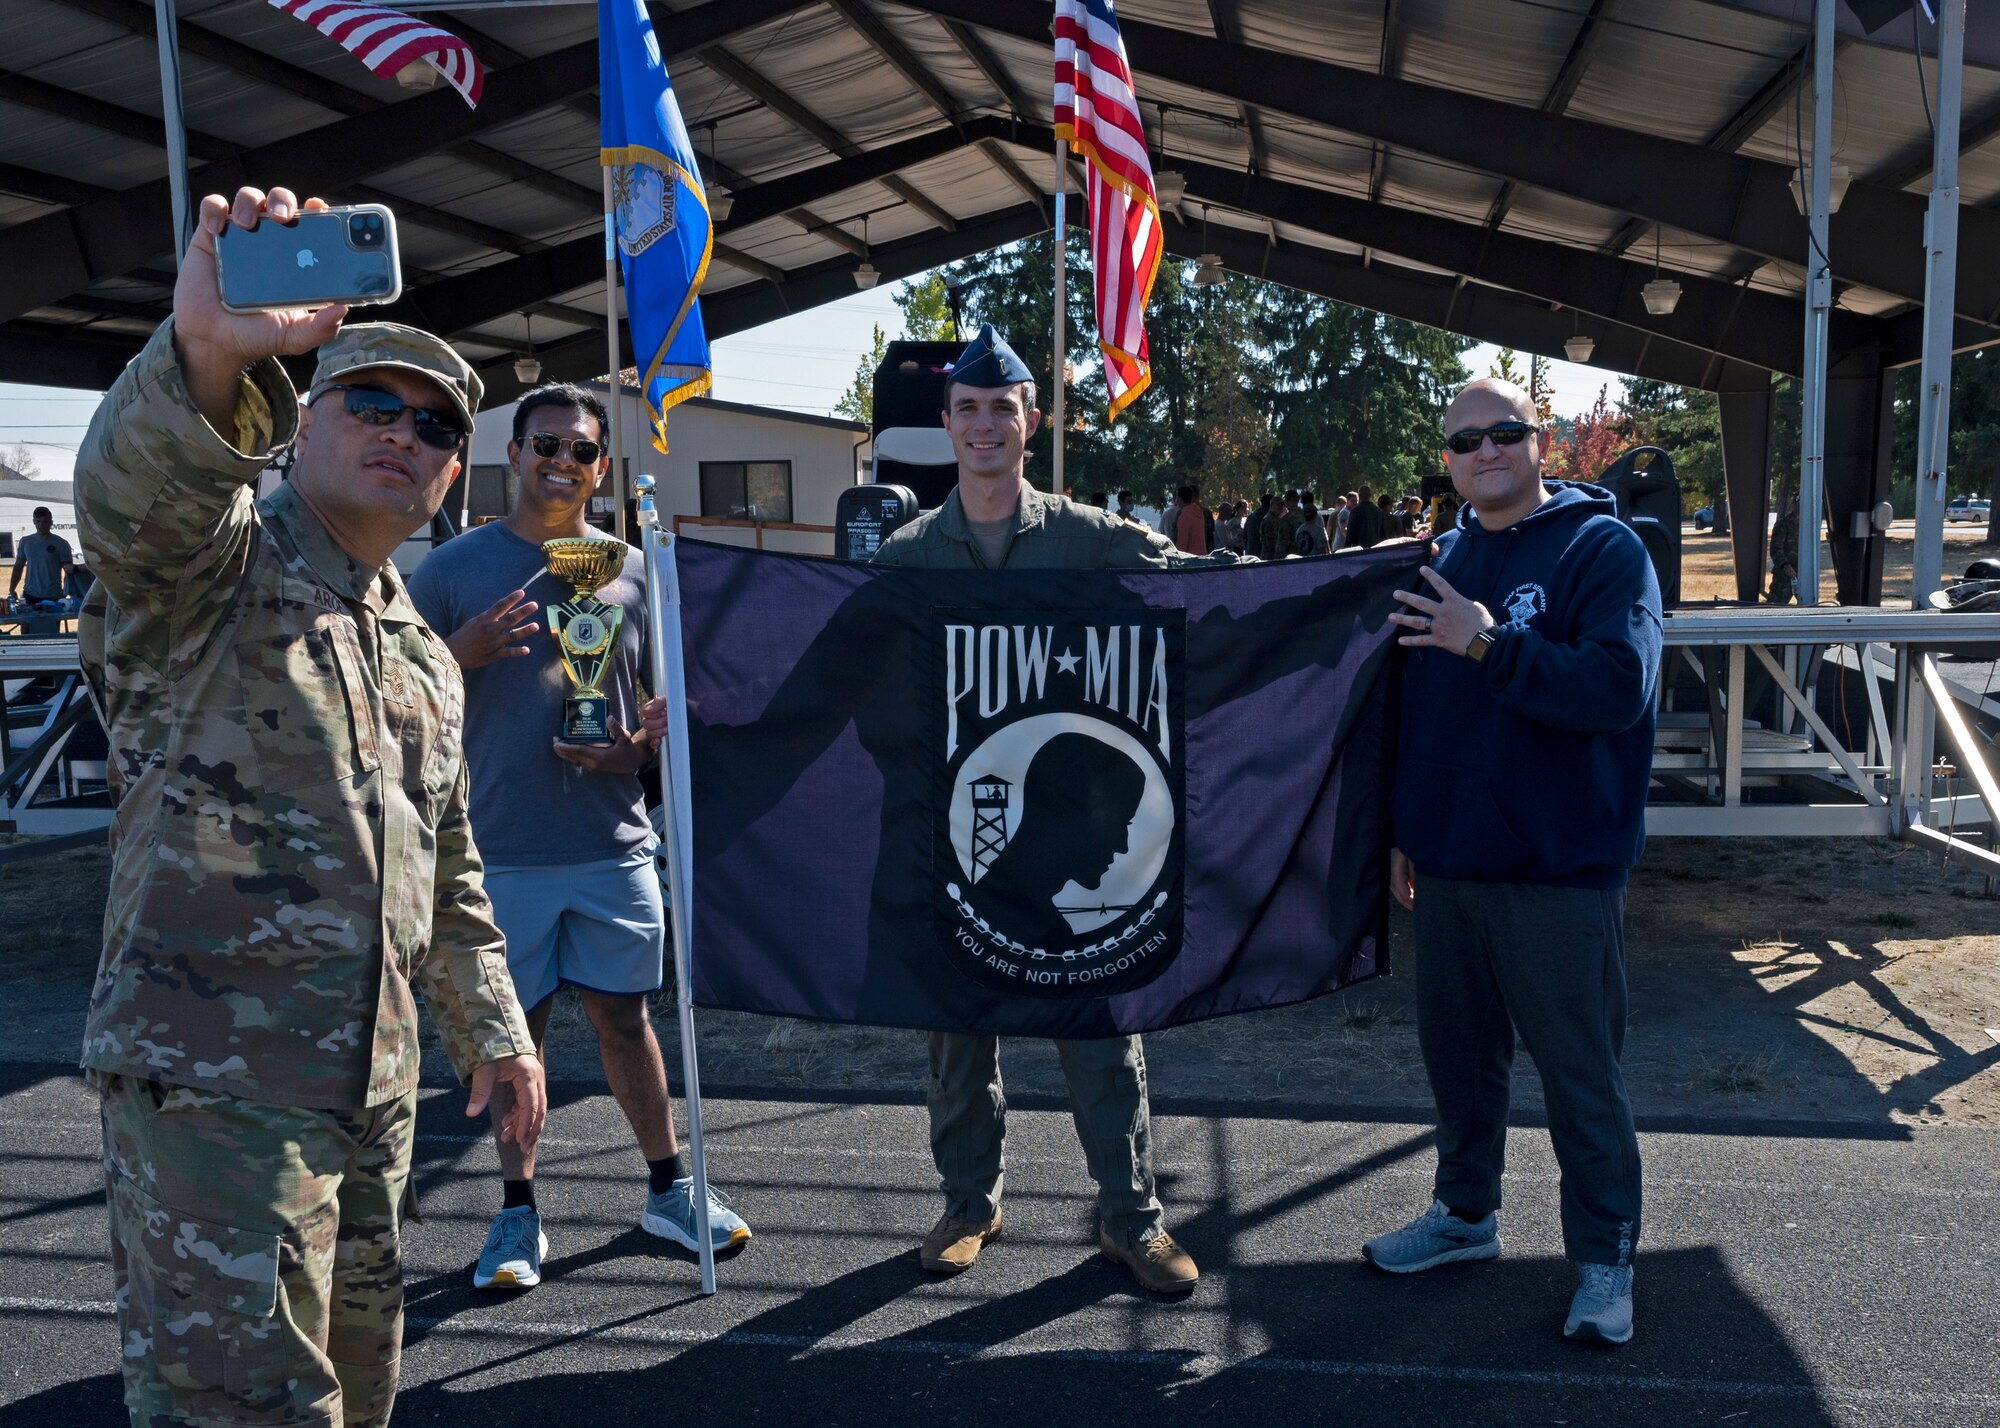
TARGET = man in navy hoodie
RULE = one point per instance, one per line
(1519, 807)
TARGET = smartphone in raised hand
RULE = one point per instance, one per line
(339, 255)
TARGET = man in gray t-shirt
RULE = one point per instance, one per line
(562, 827)
(44, 558)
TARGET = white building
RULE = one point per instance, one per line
(726, 461)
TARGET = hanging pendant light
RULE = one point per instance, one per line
(1169, 185)
(865, 276)
(1579, 346)
(1208, 269)
(1838, 177)
(528, 367)
(720, 200)
(1662, 295)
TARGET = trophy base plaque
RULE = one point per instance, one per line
(585, 719)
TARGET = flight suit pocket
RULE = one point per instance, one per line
(306, 705)
(201, 1301)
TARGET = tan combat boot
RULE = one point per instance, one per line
(953, 1244)
(1157, 1263)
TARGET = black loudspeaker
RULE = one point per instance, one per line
(865, 516)
(909, 411)
(1649, 500)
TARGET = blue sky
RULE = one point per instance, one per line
(802, 363)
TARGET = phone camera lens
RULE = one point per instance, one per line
(365, 229)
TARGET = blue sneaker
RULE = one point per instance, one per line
(512, 1258)
(1435, 1237)
(1601, 1311)
(670, 1215)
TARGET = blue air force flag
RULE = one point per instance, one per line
(659, 214)
(1041, 803)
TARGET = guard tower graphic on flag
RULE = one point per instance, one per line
(989, 821)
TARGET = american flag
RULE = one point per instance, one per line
(388, 40)
(1098, 113)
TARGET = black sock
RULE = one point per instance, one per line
(661, 1174)
(516, 1193)
(1460, 1215)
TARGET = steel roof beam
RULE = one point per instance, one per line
(1223, 19)
(1013, 173)
(781, 103)
(465, 300)
(48, 188)
(742, 308)
(1750, 326)
(1470, 309)
(885, 42)
(1582, 50)
(1782, 88)
(990, 65)
(1724, 197)
(44, 258)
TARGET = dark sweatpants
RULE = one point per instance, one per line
(1549, 962)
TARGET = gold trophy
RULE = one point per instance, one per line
(585, 628)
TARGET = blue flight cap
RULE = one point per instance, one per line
(988, 361)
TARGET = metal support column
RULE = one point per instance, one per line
(170, 116)
(1819, 305)
(1940, 285)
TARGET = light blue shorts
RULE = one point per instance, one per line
(593, 925)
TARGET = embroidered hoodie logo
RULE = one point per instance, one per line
(1525, 603)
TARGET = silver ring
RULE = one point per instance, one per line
(1427, 624)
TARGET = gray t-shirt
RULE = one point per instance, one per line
(530, 808)
(48, 559)
(993, 538)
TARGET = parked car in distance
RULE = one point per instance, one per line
(1967, 508)
(1704, 519)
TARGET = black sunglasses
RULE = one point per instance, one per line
(375, 407)
(547, 444)
(1506, 433)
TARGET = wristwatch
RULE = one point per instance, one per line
(1482, 643)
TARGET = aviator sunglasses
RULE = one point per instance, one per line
(375, 407)
(547, 444)
(1506, 433)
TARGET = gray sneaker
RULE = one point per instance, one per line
(1435, 1237)
(1601, 1311)
(670, 1215)
(512, 1258)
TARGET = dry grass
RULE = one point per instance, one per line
(1708, 571)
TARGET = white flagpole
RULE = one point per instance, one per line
(663, 616)
(614, 438)
(1062, 274)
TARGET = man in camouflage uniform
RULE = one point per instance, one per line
(292, 858)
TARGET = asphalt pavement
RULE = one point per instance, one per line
(1789, 1274)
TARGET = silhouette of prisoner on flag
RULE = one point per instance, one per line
(1037, 803)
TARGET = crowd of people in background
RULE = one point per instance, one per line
(1286, 523)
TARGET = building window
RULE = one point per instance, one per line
(747, 490)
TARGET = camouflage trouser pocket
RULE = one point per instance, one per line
(201, 1336)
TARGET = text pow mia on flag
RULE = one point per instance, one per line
(1041, 803)
(1062, 774)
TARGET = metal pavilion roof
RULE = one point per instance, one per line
(1503, 168)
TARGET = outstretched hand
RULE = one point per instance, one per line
(1447, 622)
(495, 634)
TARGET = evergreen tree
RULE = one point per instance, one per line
(857, 403)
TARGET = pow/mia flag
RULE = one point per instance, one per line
(1038, 802)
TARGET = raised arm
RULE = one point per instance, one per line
(163, 498)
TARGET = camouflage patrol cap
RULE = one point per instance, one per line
(361, 345)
